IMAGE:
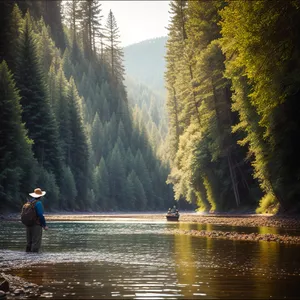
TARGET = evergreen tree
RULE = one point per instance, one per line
(117, 178)
(68, 190)
(63, 116)
(138, 196)
(46, 181)
(16, 164)
(103, 187)
(51, 12)
(267, 90)
(79, 150)
(13, 34)
(144, 177)
(113, 51)
(37, 112)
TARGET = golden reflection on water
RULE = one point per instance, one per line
(267, 258)
(267, 230)
(184, 262)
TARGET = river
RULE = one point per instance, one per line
(136, 259)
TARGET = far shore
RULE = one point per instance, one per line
(245, 220)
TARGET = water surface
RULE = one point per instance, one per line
(137, 260)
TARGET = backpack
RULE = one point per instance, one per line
(28, 214)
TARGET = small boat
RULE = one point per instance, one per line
(172, 216)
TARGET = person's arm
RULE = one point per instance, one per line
(40, 213)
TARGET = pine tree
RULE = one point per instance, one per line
(103, 187)
(96, 25)
(63, 116)
(13, 35)
(113, 51)
(46, 181)
(117, 179)
(144, 177)
(72, 16)
(16, 164)
(79, 154)
(91, 24)
(37, 113)
(97, 138)
(46, 48)
(68, 190)
(174, 53)
(51, 12)
(139, 196)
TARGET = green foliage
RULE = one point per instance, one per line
(37, 113)
(268, 205)
(17, 165)
(206, 165)
(90, 153)
(46, 181)
(79, 153)
(102, 186)
(263, 62)
(13, 33)
(68, 191)
(114, 53)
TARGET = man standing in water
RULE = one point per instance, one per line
(33, 217)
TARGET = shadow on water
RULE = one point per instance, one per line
(137, 260)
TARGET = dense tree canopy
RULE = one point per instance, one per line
(231, 80)
(66, 108)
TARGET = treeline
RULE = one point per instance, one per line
(65, 124)
(233, 87)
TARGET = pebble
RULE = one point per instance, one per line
(46, 295)
(18, 292)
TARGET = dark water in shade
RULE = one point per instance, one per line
(136, 260)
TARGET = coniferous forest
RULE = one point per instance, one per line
(228, 142)
(65, 122)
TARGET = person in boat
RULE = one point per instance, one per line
(174, 209)
(32, 217)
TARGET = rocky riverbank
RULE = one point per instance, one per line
(14, 286)
(228, 235)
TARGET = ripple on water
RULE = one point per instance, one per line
(128, 260)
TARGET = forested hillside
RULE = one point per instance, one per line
(65, 124)
(145, 61)
(233, 88)
(144, 80)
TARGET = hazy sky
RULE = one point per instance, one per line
(138, 20)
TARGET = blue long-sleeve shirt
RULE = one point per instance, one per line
(39, 211)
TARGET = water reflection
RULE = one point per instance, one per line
(185, 263)
(240, 229)
(137, 260)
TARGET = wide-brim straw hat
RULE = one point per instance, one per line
(37, 193)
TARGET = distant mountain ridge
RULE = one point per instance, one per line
(144, 61)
